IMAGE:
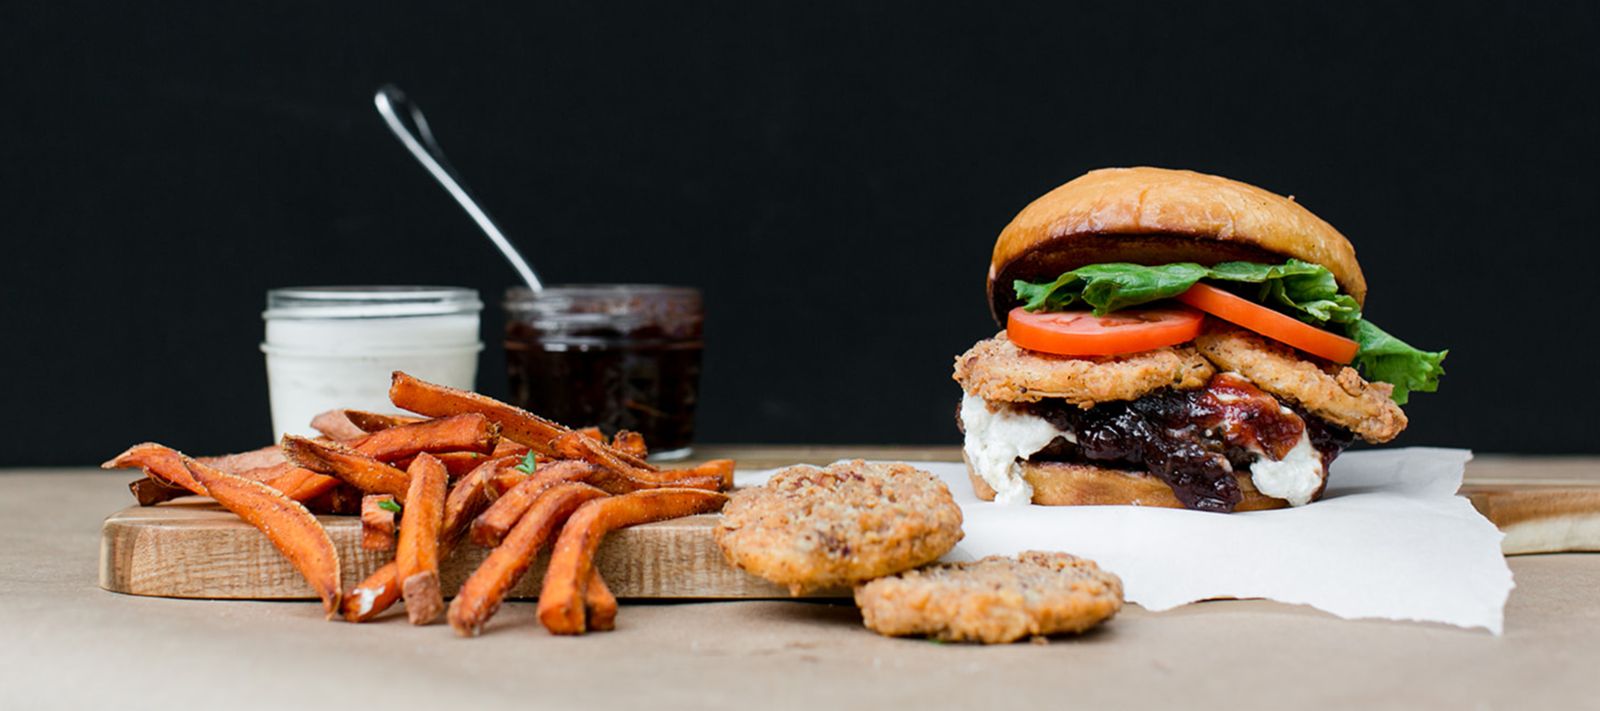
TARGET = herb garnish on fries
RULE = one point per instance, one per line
(470, 464)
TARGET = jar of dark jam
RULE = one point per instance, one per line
(620, 356)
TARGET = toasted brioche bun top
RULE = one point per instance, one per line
(1157, 216)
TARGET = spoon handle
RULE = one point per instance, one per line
(393, 105)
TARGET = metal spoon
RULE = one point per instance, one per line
(393, 105)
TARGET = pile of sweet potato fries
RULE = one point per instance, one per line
(470, 467)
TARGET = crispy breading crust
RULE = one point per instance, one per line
(995, 600)
(997, 370)
(812, 528)
(1337, 394)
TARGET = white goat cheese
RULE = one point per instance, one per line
(995, 441)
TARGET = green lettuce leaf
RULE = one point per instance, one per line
(1307, 290)
(1302, 289)
(1109, 287)
(1388, 359)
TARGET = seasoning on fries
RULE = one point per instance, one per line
(456, 463)
(561, 600)
(516, 424)
(361, 471)
(417, 552)
(467, 499)
(481, 595)
(370, 422)
(519, 482)
(302, 484)
(291, 528)
(491, 527)
(461, 433)
(629, 442)
(159, 462)
(716, 475)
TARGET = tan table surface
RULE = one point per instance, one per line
(64, 643)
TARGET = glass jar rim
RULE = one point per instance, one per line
(339, 302)
(522, 295)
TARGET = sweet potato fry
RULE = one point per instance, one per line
(711, 476)
(572, 445)
(467, 499)
(561, 599)
(508, 448)
(302, 484)
(335, 425)
(374, 595)
(160, 462)
(592, 432)
(169, 478)
(460, 463)
(417, 553)
(291, 528)
(456, 463)
(503, 481)
(491, 527)
(599, 604)
(265, 475)
(343, 499)
(630, 442)
(481, 594)
(460, 433)
(149, 491)
(718, 469)
(243, 462)
(516, 424)
(361, 471)
(370, 422)
(377, 522)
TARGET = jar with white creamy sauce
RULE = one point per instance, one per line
(335, 347)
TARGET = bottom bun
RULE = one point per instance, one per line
(1071, 484)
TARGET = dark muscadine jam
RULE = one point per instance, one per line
(1194, 440)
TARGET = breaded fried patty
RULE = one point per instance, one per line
(1335, 393)
(995, 600)
(850, 522)
(997, 370)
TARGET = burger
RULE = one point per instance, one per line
(1176, 339)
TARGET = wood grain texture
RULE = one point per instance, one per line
(1541, 517)
(193, 548)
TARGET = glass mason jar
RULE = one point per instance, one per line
(619, 356)
(335, 347)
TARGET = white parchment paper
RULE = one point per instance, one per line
(1390, 539)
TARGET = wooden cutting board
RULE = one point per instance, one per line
(1543, 504)
(193, 548)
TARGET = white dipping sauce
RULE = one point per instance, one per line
(335, 347)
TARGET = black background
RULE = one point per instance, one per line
(833, 176)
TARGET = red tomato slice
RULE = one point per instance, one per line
(1272, 324)
(1081, 333)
